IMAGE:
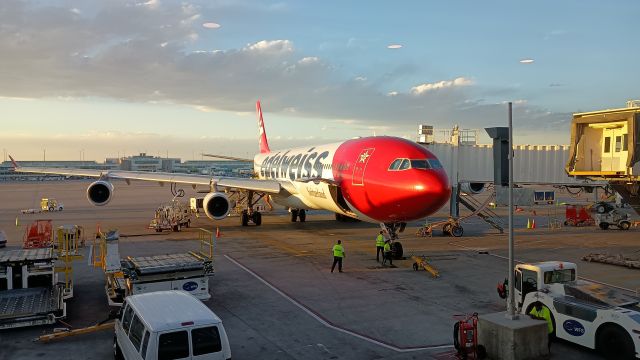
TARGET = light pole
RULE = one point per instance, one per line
(511, 306)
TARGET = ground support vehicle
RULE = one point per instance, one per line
(172, 216)
(30, 293)
(585, 313)
(613, 218)
(577, 215)
(46, 204)
(128, 276)
(146, 328)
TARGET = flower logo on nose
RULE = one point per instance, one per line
(364, 156)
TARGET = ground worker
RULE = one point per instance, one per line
(338, 255)
(380, 246)
(387, 253)
(542, 312)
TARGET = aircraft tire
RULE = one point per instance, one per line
(244, 218)
(396, 250)
(257, 218)
(302, 214)
(294, 215)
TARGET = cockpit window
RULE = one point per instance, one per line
(420, 164)
(406, 164)
(395, 164)
(435, 164)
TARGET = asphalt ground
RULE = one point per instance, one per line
(273, 287)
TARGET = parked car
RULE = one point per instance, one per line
(168, 325)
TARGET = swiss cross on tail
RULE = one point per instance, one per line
(262, 134)
(360, 166)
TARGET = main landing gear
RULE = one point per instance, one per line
(298, 214)
(249, 215)
(392, 230)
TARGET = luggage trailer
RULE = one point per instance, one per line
(30, 293)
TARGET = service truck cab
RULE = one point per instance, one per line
(586, 313)
(168, 325)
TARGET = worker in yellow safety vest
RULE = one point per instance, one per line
(338, 255)
(387, 253)
(542, 312)
(380, 246)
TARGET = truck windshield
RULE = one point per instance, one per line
(559, 276)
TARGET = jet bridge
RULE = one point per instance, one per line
(605, 145)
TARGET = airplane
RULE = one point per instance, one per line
(380, 179)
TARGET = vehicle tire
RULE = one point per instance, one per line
(566, 223)
(294, 215)
(456, 332)
(446, 229)
(158, 230)
(457, 231)
(117, 353)
(600, 209)
(60, 208)
(339, 217)
(302, 214)
(396, 250)
(257, 218)
(415, 266)
(613, 342)
(604, 225)
(244, 218)
(51, 208)
(625, 225)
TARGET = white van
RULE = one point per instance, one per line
(167, 325)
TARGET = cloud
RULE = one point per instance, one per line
(394, 46)
(527, 61)
(423, 88)
(211, 25)
(155, 54)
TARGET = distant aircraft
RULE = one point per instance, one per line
(378, 179)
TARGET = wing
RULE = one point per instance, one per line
(266, 186)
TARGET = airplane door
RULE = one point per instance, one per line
(360, 165)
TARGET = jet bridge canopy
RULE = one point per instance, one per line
(605, 145)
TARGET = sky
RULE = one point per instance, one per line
(87, 79)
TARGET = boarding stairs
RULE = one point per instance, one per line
(482, 210)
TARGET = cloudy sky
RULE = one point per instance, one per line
(86, 78)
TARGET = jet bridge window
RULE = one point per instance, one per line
(607, 144)
(618, 143)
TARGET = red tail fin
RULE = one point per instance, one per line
(262, 134)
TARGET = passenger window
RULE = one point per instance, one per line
(205, 340)
(625, 145)
(420, 164)
(618, 143)
(435, 164)
(405, 165)
(395, 165)
(135, 334)
(607, 144)
(145, 343)
(173, 345)
(518, 280)
(126, 319)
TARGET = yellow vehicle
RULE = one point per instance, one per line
(51, 205)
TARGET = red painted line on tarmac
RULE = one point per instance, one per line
(328, 323)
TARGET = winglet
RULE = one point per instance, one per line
(15, 164)
(262, 134)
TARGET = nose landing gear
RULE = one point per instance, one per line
(391, 230)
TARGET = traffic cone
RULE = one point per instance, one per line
(528, 223)
(533, 224)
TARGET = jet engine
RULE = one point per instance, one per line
(216, 205)
(472, 187)
(100, 192)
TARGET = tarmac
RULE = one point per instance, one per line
(273, 288)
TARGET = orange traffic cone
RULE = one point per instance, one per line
(533, 224)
